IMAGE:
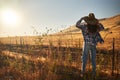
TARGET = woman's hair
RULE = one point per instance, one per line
(92, 23)
(92, 28)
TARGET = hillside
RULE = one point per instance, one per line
(110, 24)
(71, 36)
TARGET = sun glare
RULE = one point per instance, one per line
(10, 17)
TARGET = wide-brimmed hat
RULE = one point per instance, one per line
(91, 21)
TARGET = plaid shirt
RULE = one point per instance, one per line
(91, 38)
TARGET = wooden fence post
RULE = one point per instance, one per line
(21, 43)
(113, 57)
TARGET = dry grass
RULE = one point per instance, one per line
(38, 62)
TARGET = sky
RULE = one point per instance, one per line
(54, 15)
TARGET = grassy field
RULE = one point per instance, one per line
(55, 60)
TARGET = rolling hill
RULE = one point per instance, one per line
(71, 36)
(110, 24)
(112, 30)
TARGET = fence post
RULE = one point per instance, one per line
(113, 57)
(79, 44)
(21, 43)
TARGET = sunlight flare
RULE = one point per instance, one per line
(10, 17)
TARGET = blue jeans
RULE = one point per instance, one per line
(86, 49)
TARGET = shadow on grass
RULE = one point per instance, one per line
(53, 72)
(72, 73)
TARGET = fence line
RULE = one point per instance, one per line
(111, 56)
